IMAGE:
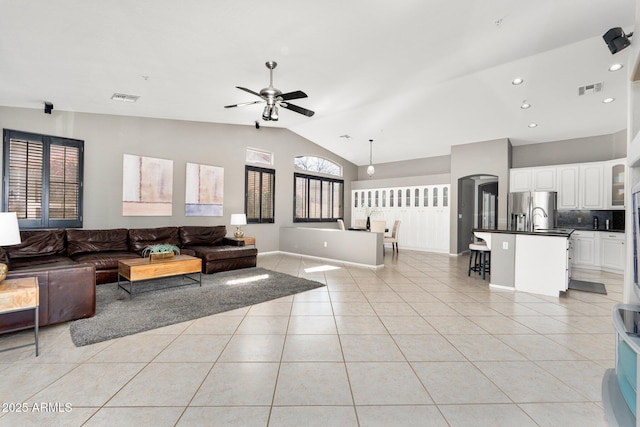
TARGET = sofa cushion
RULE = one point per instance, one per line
(104, 260)
(41, 262)
(38, 243)
(140, 238)
(202, 236)
(82, 241)
(213, 253)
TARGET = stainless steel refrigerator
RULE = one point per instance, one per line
(532, 210)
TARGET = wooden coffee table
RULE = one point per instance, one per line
(139, 269)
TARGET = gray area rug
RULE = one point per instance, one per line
(159, 303)
(583, 285)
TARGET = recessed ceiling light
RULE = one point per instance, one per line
(123, 97)
(525, 105)
(533, 125)
(616, 67)
(517, 81)
(608, 100)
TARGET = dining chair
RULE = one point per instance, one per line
(360, 223)
(341, 224)
(379, 227)
(393, 239)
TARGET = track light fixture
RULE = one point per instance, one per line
(616, 39)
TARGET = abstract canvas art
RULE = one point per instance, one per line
(147, 186)
(205, 190)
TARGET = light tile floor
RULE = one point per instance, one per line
(417, 343)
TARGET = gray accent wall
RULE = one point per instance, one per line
(578, 150)
(480, 158)
(108, 137)
(408, 168)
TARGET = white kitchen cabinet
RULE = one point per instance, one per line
(584, 249)
(592, 185)
(612, 252)
(544, 179)
(520, 180)
(423, 212)
(614, 183)
(595, 185)
(568, 184)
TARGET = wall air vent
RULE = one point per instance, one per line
(589, 89)
(123, 97)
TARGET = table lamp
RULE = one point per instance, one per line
(9, 235)
(238, 220)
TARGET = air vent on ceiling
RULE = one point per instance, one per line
(589, 89)
(123, 97)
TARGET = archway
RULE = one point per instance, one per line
(477, 206)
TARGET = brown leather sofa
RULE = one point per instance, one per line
(104, 248)
(70, 262)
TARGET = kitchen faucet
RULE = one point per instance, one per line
(533, 216)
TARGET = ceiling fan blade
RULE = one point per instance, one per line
(293, 95)
(249, 90)
(297, 109)
(242, 104)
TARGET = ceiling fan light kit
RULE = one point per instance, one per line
(274, 98)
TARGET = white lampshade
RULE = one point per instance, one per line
(238, 219)
(9, 230)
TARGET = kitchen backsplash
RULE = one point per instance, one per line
(584, 219)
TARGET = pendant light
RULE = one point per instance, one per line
(370, 169)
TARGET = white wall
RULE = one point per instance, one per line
(108, 137)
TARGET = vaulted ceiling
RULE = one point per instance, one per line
(415, 76)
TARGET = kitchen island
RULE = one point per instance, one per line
(529, 261)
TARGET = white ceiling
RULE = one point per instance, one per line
(416, 76)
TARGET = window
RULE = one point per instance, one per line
(260, 199)
(317, 164)
(43, 179)
(259, 156)
(317, 199)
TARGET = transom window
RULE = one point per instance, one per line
(262, 157)
(317, 165)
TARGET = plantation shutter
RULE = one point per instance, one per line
(43, 179)
(260, 197)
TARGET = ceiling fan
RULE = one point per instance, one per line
(274, 98)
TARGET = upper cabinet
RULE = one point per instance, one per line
(544, 179)
(533, 179)
(595, 185)
(614, 180)
(520, 179)
(568, 184)
(592, 186)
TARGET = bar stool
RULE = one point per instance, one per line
(483, 265)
